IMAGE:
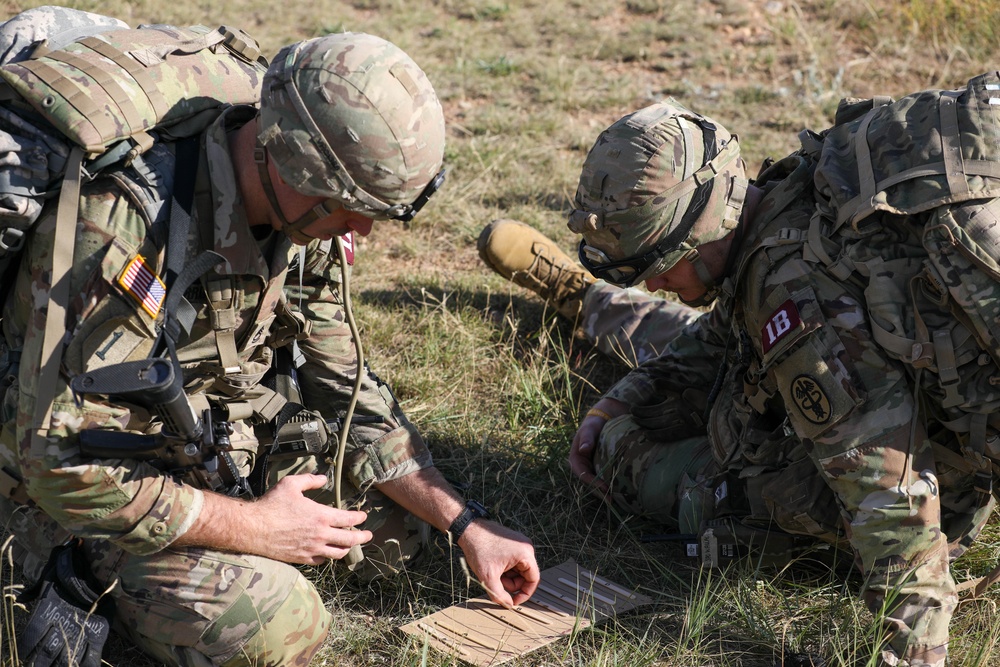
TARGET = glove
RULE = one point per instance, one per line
(676, 417)
(61, 630)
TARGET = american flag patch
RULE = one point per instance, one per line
(143, 285)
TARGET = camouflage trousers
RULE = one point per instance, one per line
(669, 482)
(198, 607)
(651, 474)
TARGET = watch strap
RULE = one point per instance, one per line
(473, 510)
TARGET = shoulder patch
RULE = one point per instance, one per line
(143, 285)
(786, 318)
(811, 400)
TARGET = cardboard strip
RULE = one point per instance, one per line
(482, 633)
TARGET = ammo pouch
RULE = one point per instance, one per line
(304, 434)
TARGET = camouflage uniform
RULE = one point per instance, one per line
(192, 606)
(814, 402)
(631, 324)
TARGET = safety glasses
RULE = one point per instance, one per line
(631, 270)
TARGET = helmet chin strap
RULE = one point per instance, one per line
(712, 287)
(293, 229)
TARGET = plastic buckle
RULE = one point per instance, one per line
(11, 240)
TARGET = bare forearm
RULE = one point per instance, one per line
(503, 559)
(428, 495)
(224, 523)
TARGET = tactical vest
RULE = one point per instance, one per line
(781, 486)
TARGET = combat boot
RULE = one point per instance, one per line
(527, 258)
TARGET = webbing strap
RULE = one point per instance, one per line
(842, 267)
(225, 342)
(906, 348)
(222, 298)
(107, 82)
(263, 407)
(258, 476)
(951, 144)
(55, 316)
(866, 172)
(944, 354)
(135, 70)
(975, 451)
(70, 91)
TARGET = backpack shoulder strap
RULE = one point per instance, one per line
(55, 316)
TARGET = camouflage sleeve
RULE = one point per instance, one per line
(383, 444)
(692, 360)
(126, 501)
(853, 405)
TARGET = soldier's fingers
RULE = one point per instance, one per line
(345, 518)
(591, 480)
(303, 482)
(498, 595)
(581, 467)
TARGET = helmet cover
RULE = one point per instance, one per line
(663, 176)
(351, 117)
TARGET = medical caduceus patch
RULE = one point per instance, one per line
(811, 400)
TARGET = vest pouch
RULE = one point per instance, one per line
(797, 499)
(725, 422)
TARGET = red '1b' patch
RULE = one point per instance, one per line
(784, 319)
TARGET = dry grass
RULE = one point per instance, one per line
(494, 381)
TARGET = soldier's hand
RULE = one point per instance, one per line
(581, 453)
(503, 559)
(299, 530)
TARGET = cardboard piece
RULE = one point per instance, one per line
(483, 633)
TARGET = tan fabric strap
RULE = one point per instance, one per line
(70, 91)
(55, 317)
(867, 188)
(944, 354)
(222, 297)
(951, 145)
(136, 70)
(107, 82)
(264, 407)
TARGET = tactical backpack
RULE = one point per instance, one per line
(70, 110)
(67, 113)
(934, 157)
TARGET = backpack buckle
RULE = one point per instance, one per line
(11, 240)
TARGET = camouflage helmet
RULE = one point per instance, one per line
(352, 118)
(657, 183)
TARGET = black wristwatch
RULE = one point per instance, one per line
(473, 510)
